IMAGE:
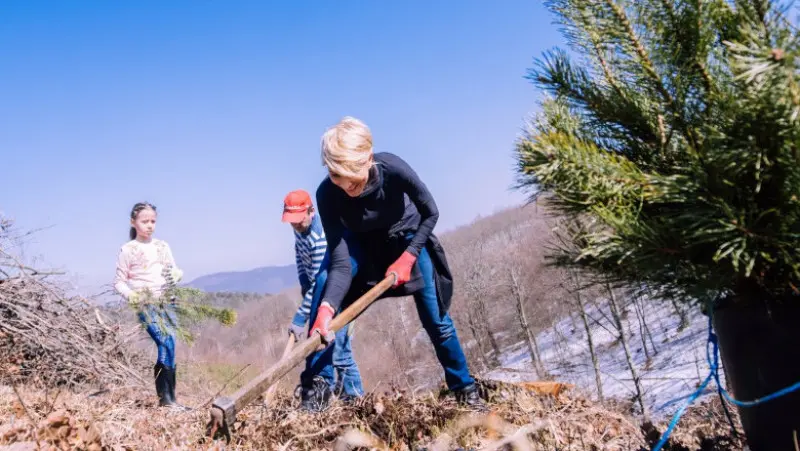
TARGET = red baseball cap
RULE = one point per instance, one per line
(295, 206)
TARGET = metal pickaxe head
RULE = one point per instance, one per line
(221, 411)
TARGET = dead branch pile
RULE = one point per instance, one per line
(520, 418)
(50, 339)
(53, 340)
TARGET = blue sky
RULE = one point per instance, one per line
(214, 110)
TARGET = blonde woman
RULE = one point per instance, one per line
(379, 218)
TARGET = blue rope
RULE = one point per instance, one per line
(757, 401)
(712, 356)
(675, 418)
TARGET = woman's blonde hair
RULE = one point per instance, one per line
(347, 147)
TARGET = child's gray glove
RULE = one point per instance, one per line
(297, 331)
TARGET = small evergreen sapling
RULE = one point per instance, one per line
(189, 305)
(673, 135)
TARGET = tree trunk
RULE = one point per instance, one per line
(488, 331)
(615, 314)
(530, 339)
(642, 333)
(684, 320)
(596, 321)
(644, 329)
(595, 361)
(603, 315)
(495, 347)
(476, 334)
(647, 328)
(538, 353)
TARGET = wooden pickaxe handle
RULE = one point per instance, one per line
(224, 409)
(271, 390)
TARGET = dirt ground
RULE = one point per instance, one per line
(520, 418)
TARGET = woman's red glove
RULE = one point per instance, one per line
(402, 267)
(324, 315)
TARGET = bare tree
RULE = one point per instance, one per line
(589, 341)
(520, 262)
(485, 325)
(476, 331)
(637, 382)
(644, 329)
(683, 315)
(642, 334)
(477, 278)
(468, 331)
(520, 292)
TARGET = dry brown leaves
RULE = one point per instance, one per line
(58, 431)
(128, 419)
(123, 419)
(519, 417)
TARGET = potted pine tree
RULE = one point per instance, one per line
(671, 132)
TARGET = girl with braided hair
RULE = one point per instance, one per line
(145, 270)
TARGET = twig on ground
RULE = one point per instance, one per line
(224, 386)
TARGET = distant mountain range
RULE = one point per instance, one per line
(265, 280)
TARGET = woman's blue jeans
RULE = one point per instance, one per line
(440, 329)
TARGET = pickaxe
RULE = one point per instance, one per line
(224, 409)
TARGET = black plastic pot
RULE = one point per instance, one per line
(760, 352)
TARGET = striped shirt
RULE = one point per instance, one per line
(309, 250)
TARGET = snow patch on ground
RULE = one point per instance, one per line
(675, 368)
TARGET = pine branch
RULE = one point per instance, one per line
(692, 184)
(621, 123)
(180, 309)
(647, 64)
